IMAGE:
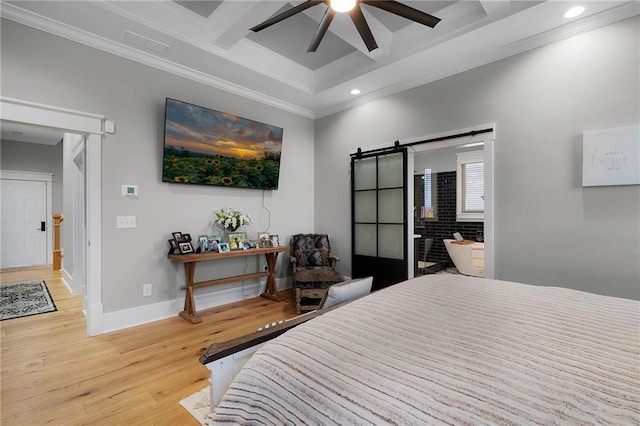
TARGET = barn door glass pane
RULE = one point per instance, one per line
(391, 243)
(390, 206)
(365, 206)
(365, 174)
(366, 236)
(390, 171)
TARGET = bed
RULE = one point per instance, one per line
(441, 349)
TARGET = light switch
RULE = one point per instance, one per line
(125, 221)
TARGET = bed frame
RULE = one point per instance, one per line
(225, 360)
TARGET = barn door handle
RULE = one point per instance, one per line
(43, 226)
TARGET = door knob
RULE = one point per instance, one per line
(43, 226)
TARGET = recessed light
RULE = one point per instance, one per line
(573, 12)
(355, 92)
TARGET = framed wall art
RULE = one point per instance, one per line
(611, 157)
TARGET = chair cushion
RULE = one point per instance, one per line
(346, 290)
(318, 257)
(320, 277)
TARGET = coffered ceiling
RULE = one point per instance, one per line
(210, 42)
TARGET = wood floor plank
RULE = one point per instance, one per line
(52, 372)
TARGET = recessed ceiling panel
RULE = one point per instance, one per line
(202, 8)
(292, 36)
(395, 22)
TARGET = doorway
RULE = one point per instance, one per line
(483, 142)
(90, 126)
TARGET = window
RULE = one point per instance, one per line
(470, 186)
(428, 210)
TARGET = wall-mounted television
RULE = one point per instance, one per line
(203, 146)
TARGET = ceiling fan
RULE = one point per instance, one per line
(352, 8)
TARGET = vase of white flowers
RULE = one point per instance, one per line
(230, 219)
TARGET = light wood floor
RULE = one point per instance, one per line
(52, 373)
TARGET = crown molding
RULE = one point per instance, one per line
(244, 52)
(33, 20)
(416, 70)
(587, 24)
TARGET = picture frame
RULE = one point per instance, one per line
(213, 241)
(275, 240)
(237, 240)
(223, 248)
(607, 157)
(263, 240)
(177, 236)
(185, 247)
(186, 237)
(204, 243)
(173, 246)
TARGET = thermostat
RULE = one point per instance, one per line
(130, 190)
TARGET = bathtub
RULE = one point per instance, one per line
(468, 258)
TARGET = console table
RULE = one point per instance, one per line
(191, 260)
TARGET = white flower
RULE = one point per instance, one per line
(230, 219)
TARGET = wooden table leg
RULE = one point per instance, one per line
(189, 313)
(271, 291)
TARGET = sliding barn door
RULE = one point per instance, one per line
(379, 231)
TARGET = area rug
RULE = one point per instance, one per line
(198, 405)
(25, 299)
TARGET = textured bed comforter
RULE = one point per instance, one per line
(449, 349)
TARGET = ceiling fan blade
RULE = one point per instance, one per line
(363, 28)
(322, 29)
(404, 11)
(286, 14)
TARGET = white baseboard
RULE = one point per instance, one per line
(67, 279)
(94, 322)
(126, 318)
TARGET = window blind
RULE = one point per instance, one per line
(473, 187)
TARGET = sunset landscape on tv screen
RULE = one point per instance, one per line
(203, 146)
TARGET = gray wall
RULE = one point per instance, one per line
(41, 68)
(37, 158)
(549, 230)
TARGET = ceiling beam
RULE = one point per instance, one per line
(493, 6)
(230, 22)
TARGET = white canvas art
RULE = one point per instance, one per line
(611, 157)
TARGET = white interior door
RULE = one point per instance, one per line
(24, 223)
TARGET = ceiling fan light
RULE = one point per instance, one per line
(343, 5)
(573, 12)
